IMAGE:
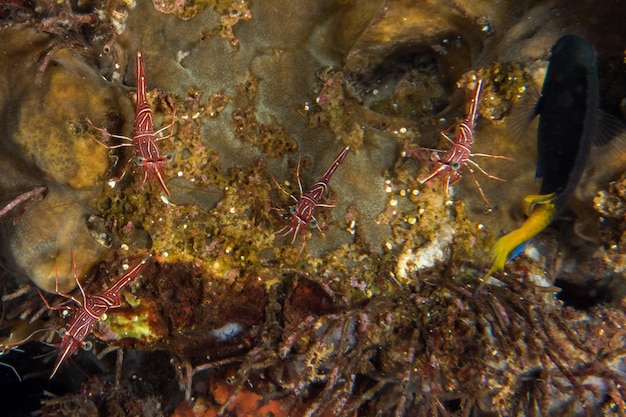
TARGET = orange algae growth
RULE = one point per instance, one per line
(245, 404)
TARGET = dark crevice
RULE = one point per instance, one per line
(582, 297)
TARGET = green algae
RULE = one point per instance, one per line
(508, 82)
(138, 324)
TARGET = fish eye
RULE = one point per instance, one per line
(169, 157)
(434, 156)
(455, 165)
(140, 160)
(87, 345)
(292, 209)
(313, 224)
(62, 331)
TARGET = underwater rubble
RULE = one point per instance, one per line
(378, 307)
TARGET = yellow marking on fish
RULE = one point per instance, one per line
(535, 199)
(543, 209)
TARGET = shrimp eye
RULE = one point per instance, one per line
(169, 157)
(292, 209)
(87, 345)
(434, 156)
(231, 379)
(455, 166)
(313, 224)
(140, 160)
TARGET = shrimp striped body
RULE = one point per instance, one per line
(302, 214)
(89, 311)
(460, 152)
(144, 140)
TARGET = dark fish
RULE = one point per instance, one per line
(568, 126)
(569, 115)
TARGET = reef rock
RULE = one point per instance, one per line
(46, 136)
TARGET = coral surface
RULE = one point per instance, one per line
(377, 309)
